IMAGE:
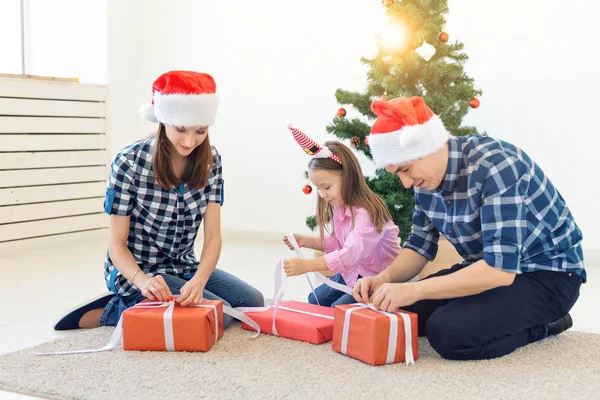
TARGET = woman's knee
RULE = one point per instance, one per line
(254, 298)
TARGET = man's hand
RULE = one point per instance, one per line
(295, 266)
(365, 287)
(391, 296)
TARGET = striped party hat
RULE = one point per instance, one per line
(311, 147)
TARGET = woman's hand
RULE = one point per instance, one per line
(192, 292)
(156, 288)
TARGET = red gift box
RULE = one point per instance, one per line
(296, 320)
(375, 337)
(172, 327)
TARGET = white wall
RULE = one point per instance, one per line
(66, 38)
(10, 32)
(268, 70)
(533, 60)
(536, 64)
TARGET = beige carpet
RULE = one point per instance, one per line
(563, 367)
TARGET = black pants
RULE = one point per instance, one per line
(498, 321)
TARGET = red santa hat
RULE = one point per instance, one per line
(183, 98)
(311, 147)
(405, 130)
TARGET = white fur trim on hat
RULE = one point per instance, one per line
(183, 110)
(409, 143)
(147, 112)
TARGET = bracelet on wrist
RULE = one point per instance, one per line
(133, 277)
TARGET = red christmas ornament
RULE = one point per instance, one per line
(474, 103)
(307, 189)
(341, 112)
(388, 3)
(444, 37)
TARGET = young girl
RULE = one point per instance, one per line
(357, 233)
(160, 190)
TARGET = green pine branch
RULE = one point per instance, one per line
(442, 82)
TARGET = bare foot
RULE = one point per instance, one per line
(91, 319)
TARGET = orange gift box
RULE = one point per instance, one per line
(295, 325)
(171, 327)
(375, 337)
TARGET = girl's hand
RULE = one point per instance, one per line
(295, 266)
(191, 293)
(299, 239)
(156, 288)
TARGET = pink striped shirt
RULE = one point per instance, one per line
(362, 250)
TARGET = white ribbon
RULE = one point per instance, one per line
(278, 292)
(168, 326)
(393, 336)
(292, 239)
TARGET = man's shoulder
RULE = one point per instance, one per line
(488, 156)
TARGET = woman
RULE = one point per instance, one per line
(160, 189)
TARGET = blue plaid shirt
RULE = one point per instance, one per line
(163, 223)
(496, 204)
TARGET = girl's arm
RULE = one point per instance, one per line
(310, 242)
(327, 245)
(359, 244)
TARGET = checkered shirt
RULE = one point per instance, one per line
(163, 223)
(496, 204)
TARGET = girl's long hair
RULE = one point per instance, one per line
(355, 192)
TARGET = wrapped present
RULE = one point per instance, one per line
(295, 320)
(375, 337)
(171, 327)
(160, 326)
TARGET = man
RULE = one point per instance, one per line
(522, 249)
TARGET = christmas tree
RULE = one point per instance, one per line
(411, 56)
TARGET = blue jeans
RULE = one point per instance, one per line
(220, 286)
(329, 297)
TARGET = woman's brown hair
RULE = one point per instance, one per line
(355, 191)
(196, 172)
